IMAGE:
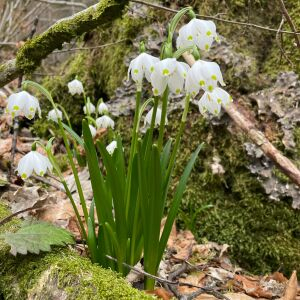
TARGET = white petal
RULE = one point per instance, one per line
(148, 64)
(221, 96)
(148, 118)
(176, 82)
(191, 86)
(25, 166)
(166, 66)
(208, 103)
(102, 108)
(105, 122)
(75, 87)
(16, 103)
(31, 106)
(111, 147)
(93, 130)
(89, 107)
(159, 82)
(54, 115)
(136, 70)
(40, 163)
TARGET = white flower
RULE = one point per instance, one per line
(54, 115)
(212, 102)
(93, 130)
(102, 108)
(75, 87)
(168, 72)
(142, 66)
(203, 75)
(148, 118)
(3, 95)
(111, 147)
(90, 107)
(197, 32)
(23, 103)
(33, 161)
(105, 122)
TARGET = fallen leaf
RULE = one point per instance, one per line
(238, 296)
(291, 288)
(29, 197)
(161, 293)
(278, 277)
(252, 287)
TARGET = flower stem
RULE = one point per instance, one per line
(65, 114)
(179, 135)
(133, 146)
(163, 119)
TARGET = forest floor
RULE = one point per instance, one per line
(201, 271)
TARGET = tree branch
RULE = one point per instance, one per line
(290, 21)
(285, 165)
(35, 50)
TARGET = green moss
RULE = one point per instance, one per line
(33, 51)
(61, 272)
(263, 235)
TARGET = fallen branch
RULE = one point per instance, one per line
(35, 50)
(283, 163)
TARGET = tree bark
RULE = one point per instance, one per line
(35, 50)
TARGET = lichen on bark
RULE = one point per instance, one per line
(33, 51)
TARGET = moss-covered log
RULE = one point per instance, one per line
(33, 51)
(61, 274)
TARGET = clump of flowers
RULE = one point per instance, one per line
(129, 195)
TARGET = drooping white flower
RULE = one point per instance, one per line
(93, 130)
(111, 147)
(33, 161)
(89, 107)
(102, 108)
(212, 102)
(203, 75)
(168, 72)
(142, 66)
(75, 87)
(105, 122)
(23, 103)
(197, 32)
(54, 115)
(148, 118)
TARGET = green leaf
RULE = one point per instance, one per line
(36, 237)
(73, 134)
(176, 202)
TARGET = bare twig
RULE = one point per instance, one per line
(90, 48)
(170, 282)
(78, 4)
(48, 182)
(290, 21)
(283, 163)
(250, 25)
(279, 43)
(32, 53)
(8, 218)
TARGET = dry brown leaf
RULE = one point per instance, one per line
(291, 288)
(183, 244)
(279, 277)
(252, 287)
(160, 293)
(238, 296)
(29, 197)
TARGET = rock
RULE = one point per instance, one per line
(61, 274)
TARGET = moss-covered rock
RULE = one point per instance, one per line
(61, 274)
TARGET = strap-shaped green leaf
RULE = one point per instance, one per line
(176, 202)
